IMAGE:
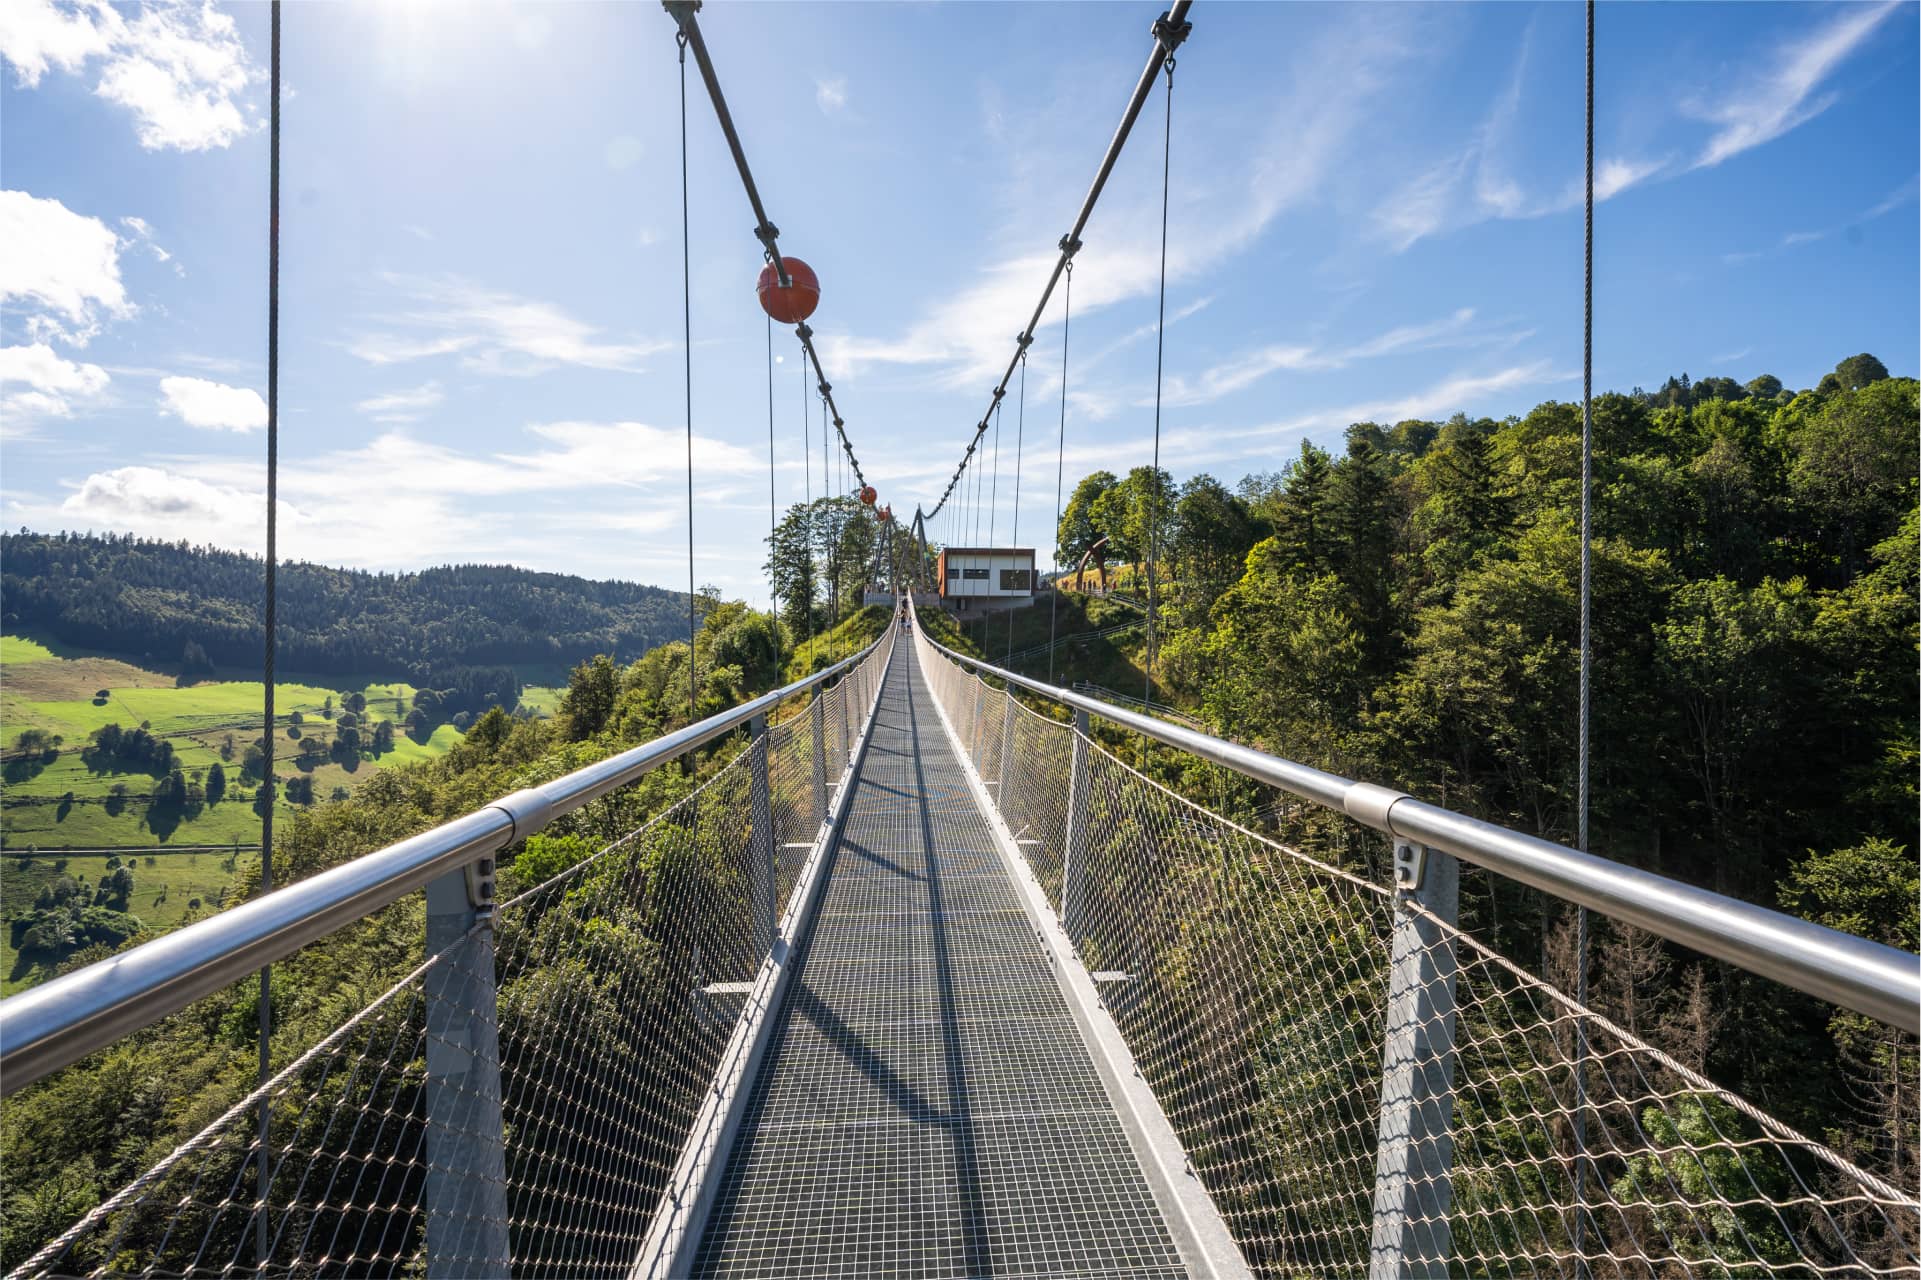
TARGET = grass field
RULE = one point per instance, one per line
(69, 802)
(165, 887)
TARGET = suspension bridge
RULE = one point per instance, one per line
(929, 977)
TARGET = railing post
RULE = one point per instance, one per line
(1007, 747)
(817, 719)
(1072, 858)
(763, 873)
(466, 1184)
(1413, 1169)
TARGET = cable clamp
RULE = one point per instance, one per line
(681, 9)
(767, 233)
(806, 334)
(998, 393)
(1025, 340)
(1170, 34)
(826, 387)
(1070, 246)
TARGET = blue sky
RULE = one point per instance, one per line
(1375, 215)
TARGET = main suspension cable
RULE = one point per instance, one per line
(765, 231)
(1169, 30)
(1160, 347)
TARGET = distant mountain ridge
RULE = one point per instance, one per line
(137, 596)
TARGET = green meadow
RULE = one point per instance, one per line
(74, 803)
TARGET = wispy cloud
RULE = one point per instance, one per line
(1474, 185)
(830, 95)
(1783, 94)
(1902, 195)
(1333, 83)
(491, 331)
(403, 406)
(1244, 370)
(179, 68)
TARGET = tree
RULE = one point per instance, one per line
(1213, 533)
(1859, 371)
(1077, 533)
(356, 702)
(1765, 387)
(790, 568)
(1362, 542)
(1301, 515)
(194, 660)
(589, 700)
(383, 737)
(216, 783)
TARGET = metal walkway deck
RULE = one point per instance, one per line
(927, 1106)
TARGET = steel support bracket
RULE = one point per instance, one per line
(1410, 864)
(1170, 34)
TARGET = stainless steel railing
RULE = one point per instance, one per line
(65, 1019)
(1867, 977)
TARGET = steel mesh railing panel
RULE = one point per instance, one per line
(1254, 978)
(605, 995)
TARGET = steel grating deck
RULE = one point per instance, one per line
(927, 1106)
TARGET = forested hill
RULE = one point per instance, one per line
(147, 598)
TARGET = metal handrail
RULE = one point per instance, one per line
(1880, 981)
(59, 1021)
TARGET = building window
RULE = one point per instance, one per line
(1014, 580)
(974, 573)
(953, 571)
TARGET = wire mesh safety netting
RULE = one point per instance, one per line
(1250, 973)
(606, 995)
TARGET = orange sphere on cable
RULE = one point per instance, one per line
(795, 302)
(867, 494)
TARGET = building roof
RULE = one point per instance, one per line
(987, 551)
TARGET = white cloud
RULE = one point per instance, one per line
(624, 152)
(573, 476)
(403, 406)
(830, 95)
(492, 332)
(61, 263)
(35, 382)
(199, 402)
(36, 35)
(179, 68)
(1782, 97)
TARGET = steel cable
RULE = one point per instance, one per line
(1160, 345)
(1060, 471)
(1020, 435)
(687, 354)
(1587, 654)
(265, 1011)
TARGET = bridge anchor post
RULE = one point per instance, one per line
(1414, 1161)
(465, 1196)
(817, 719)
